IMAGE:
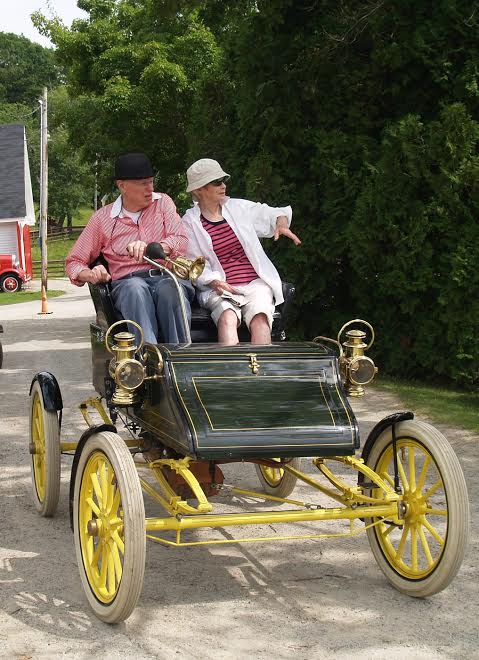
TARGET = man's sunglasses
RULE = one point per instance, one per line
(219, 182)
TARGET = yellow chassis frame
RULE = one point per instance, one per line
(183, 516)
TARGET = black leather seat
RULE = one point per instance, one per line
(203, 328)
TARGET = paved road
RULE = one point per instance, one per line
(315, 599)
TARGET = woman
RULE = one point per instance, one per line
(239, 281)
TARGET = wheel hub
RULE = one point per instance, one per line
(416, 506)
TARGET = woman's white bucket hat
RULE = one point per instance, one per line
(203, 171)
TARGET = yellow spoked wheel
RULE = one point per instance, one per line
(109, 527)
(276, 481)
(422, 556)
(44, 454)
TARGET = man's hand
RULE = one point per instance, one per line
(95, 275)
(136, 250)
(218, 287)
(282, 229)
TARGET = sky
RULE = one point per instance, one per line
(15, 16)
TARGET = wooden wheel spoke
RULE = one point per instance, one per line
(402, 542)
(412, 469)
(118, 541)
(115, 503)
(92, 504)
(433, 531)
(414, 548)
(387, 529)
(111, 581)
(387, 477)
(104, 483)
(425, 546)
(96, 555)
(118, 567)
(38, 428)
(104, 567)
(436, 512)
(402, 474)
(422, 477)
(96, 487)
(433, 489)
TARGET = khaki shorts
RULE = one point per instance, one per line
(258, 299)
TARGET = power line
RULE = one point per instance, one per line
(25, 116)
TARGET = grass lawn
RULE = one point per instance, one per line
(26, 296)
(56, 249)
(446, 405)
(82, 216)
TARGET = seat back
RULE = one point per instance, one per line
(203, 329)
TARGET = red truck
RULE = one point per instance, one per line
(12, 276)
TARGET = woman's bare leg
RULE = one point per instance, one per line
(259, 329)
(228, 328)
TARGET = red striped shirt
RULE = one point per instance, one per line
(109, 234)
(230, 252)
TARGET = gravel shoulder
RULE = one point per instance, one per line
(311, 599)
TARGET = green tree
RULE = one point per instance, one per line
(319, 91)
(25, 67)
(70, 179)
(132, 71)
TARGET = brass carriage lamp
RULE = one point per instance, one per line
(357, 369)
(127, 372)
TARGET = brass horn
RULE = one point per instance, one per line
(187, 269)
(181, 266)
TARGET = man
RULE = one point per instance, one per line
(121, 232)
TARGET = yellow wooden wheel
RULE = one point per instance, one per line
(109, 527)
(45, 453)
(422, 556)
(275, 480)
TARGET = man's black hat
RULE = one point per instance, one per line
(133, 166)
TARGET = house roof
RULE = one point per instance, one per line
(12, 171)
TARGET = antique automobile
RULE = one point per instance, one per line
(12, 276)
(187, 410)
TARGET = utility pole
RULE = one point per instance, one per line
(95, 193)
(44, 198)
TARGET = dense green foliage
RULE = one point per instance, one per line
(360, 113)
(25, 67)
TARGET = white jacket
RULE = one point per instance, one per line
(249, 221)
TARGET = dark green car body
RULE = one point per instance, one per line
(246, 401)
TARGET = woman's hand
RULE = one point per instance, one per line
(282, 229)
(219, 286)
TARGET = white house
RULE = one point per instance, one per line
(16, 199)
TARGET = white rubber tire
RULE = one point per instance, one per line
(45, 463)
(274, 482)
(130, 509)
(428, 446)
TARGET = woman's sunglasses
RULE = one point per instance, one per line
(219, 182)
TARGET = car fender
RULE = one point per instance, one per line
(52, 397)
(384, 423)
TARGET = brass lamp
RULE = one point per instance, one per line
(127, 372)
(356, 368)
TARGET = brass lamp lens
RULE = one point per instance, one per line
(362, 370)
(129, 374)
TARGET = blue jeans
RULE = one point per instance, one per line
(153, 303)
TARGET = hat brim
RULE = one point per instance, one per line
(205, 180)
(133, 178)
